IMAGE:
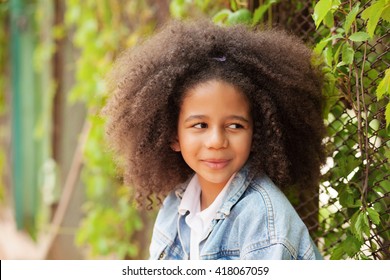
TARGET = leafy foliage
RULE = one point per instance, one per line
(180, 9)
(222, 11)
(356, 136)
(354, 219)
(111, 221)
(243, 15)
(101, 29)
(353, 222)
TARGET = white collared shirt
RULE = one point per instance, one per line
(199, 221)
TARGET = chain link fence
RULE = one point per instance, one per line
(358, 143)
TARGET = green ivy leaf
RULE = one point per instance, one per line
(320, 11)
(328, 53)
(347, 54)
(386, 13)
(351, 18)
(260, 11)
(374, 216)
(331, 93)
(387, 115)
(329, 20)
(243, 16)
(221, 16)
(359, 225)
(372, 14)
(358, 234)
(202, 4)
(346, 200)
(352, 245)
(385, 185)
(338, 252)
(336, 4)
(336, 55)
(359, 37)
(321, 45)
(233, 5)
(384, 86)
(177, 8)
(362, 256)
(387, 154)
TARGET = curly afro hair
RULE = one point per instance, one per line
(272, 68)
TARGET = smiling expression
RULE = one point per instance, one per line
(214, 132)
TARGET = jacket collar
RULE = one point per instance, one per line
(235, 190)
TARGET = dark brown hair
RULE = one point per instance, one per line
(273, 69)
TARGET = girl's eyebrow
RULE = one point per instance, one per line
(232, 117)
(240, 118)
(194, 117)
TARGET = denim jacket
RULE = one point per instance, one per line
(256, 221)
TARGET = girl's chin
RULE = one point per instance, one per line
(214, 181)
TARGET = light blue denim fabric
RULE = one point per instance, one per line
(255, 222)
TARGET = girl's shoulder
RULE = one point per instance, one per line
(263, 198)
(261, 187)
(270, 221)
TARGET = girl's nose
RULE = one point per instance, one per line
(217, 139)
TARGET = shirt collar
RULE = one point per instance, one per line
(190, 198)
(234, 191)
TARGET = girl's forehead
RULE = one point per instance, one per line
(210, 86)
(214, 95)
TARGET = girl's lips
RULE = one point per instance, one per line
(216, 163)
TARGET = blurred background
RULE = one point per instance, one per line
(61, 195)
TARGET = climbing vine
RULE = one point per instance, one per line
(354, 218)
(356, 224)
(101, 29)
(355, 206)
(353, 46)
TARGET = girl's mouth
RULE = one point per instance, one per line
(216, 163)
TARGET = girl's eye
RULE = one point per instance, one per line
(200, 125)
(235, 126)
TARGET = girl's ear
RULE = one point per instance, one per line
(175, 146)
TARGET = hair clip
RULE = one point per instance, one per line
(221, 58)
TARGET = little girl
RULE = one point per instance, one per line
(216, 118)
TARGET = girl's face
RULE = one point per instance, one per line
(214, 132)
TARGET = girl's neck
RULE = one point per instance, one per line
(207, 198)
(209, 193)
